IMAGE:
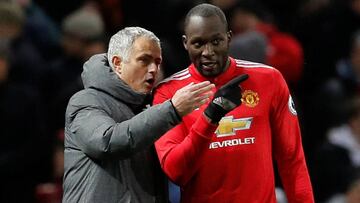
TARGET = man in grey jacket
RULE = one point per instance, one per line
(109, 155)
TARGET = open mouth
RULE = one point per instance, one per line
(150, 81)
(208, 66)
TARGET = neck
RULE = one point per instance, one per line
(227, 64)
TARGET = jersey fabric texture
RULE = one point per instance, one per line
(233, 161)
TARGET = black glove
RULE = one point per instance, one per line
(225, 99)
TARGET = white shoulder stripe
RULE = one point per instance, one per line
(183, 77)
(249, 64)
(239, 61)
(178, 76)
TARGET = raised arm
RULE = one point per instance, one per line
(180, 148)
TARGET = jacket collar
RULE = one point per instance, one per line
(98, 74)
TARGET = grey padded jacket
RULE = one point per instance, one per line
(109, 155)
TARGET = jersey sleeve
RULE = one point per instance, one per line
(179, 149)
(287, 145)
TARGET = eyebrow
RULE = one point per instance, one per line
(148, 56)
(196, 38)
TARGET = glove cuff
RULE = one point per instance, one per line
(215, 112)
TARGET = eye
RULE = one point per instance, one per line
(197, 45)
(216, 42)
(144, 60)
(158, 62)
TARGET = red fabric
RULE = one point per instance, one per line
(285, 53)
(49, 193)
(238, 167)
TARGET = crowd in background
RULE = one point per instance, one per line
(43, 44)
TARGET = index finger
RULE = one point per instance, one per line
(237, 80)
(199, 85)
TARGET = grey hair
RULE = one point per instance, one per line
(121, 43)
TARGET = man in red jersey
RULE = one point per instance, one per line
(230, 159)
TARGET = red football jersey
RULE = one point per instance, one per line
(233, 161)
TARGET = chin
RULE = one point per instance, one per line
(209, 74)
(146, 90)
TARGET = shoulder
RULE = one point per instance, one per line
(87, 97)
(261, 75)
(179, 76)
(257, 69)
(253, 65)
(177, 79)
(168, 87)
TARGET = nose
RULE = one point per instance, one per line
(208, 50)
(153, 67)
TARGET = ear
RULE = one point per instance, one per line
(229, 35)
(184, 40)
(116, 62)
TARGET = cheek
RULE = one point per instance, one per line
(139, 74)
(130, 74)
(223, 53)
(194, 55)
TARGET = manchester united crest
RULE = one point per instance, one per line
(250, 98)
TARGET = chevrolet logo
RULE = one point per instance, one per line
(228, 126)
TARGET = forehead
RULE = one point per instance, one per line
(145, 45)
(199, 26)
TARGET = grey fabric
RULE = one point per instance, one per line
(109, 156)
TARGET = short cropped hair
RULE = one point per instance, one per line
(206, 10)
(121, 43)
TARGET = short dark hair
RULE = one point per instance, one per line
(205, 10)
